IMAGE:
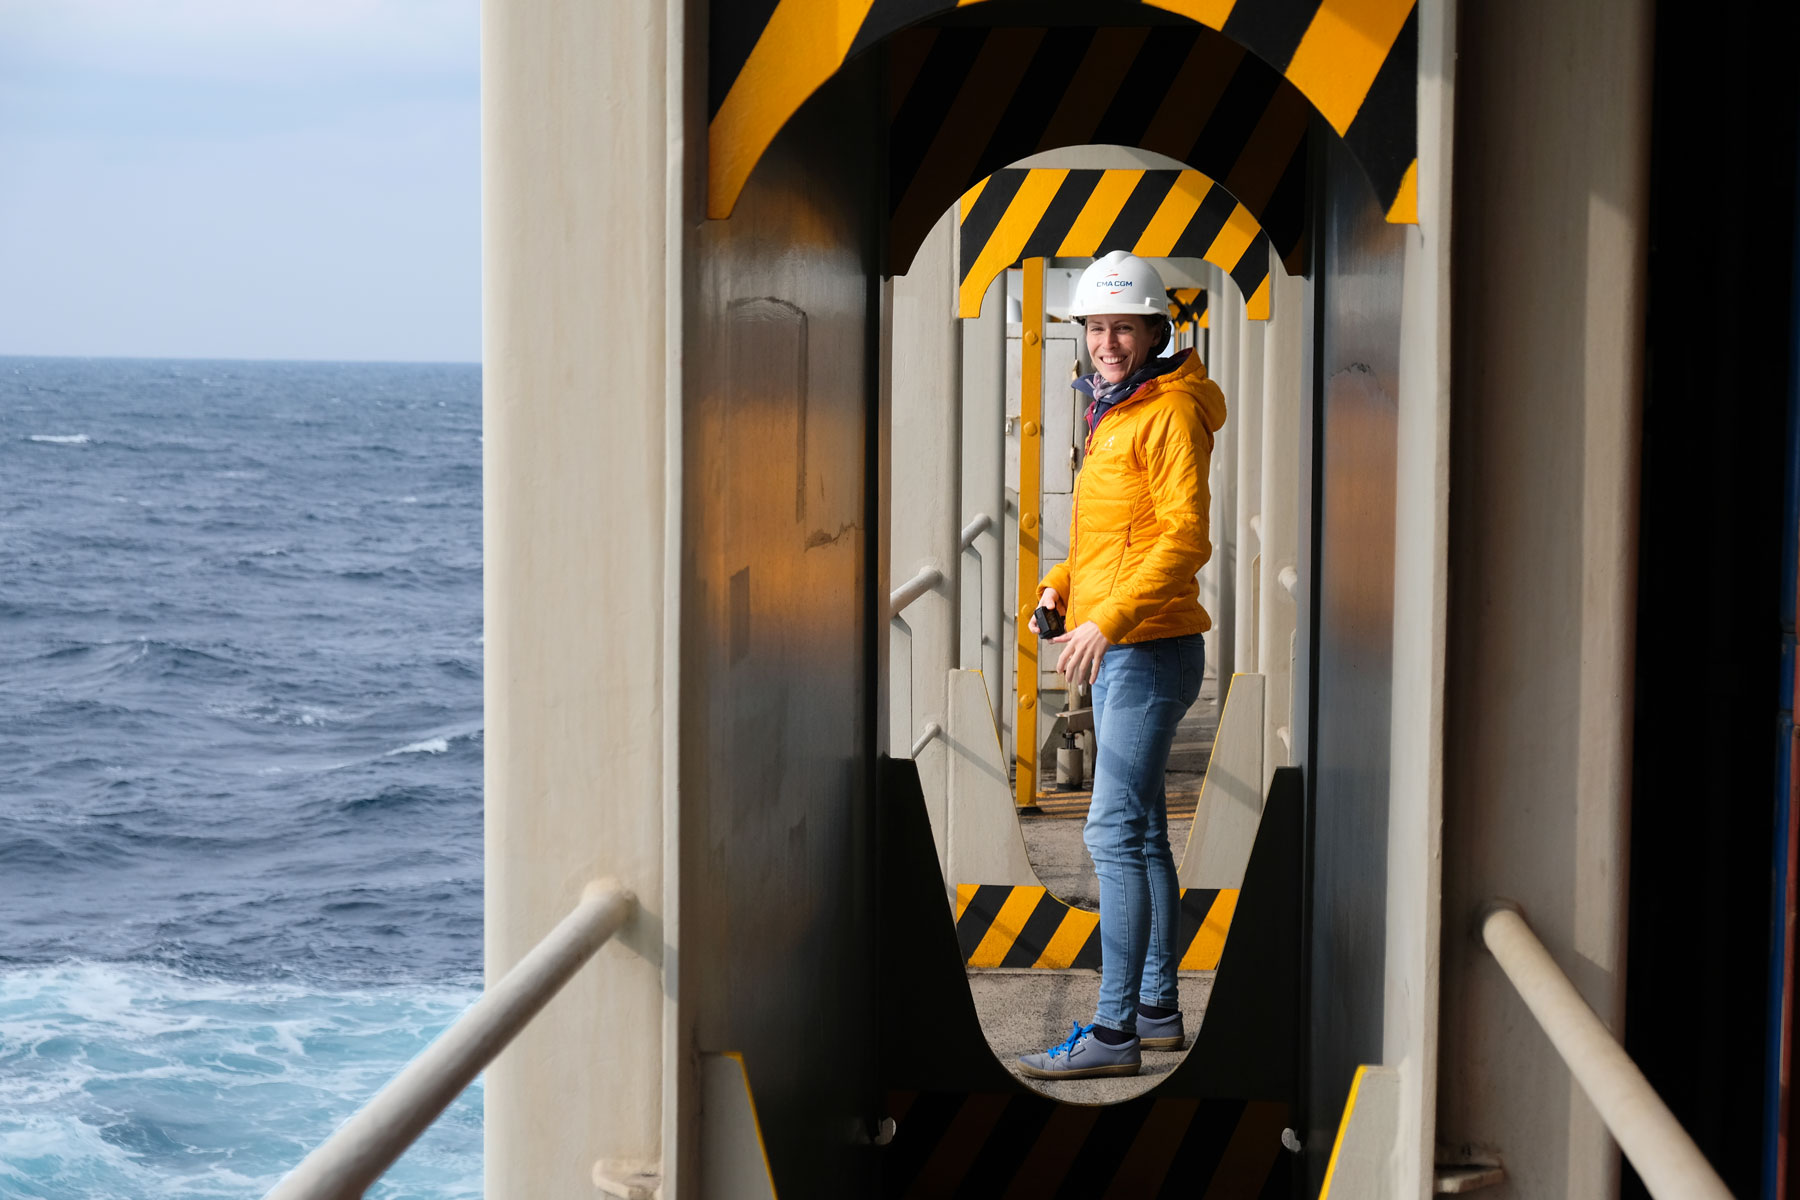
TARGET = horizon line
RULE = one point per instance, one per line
(370, 362)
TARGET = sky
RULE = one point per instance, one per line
(290, 179)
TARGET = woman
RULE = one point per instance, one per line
(1138, 537)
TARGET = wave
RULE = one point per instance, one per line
(392, 798)
(136, 1080)
(114, 842)
(439, 743)
(270, 712)
(208, 966)
(459, 668)
(428, 746)
(25, 853)
(150, 657)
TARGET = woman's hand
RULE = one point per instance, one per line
(1083, 647)
(1046, 599)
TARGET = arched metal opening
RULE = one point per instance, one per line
(1034, 215)
(1243, 101)
(1225, 88)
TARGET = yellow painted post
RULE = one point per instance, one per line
(1031, 470)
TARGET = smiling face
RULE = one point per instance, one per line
(1118, 345)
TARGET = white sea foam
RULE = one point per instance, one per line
(134, 1080)
(61, 439)
(428, 746)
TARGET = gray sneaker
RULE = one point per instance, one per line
(1082, 1056)
(1161, 1033)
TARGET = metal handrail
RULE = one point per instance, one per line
(1666, 1158)
(925, 735)
(975, 528)
(368, 1143)
(927, 578)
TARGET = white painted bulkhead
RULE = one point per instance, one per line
(581, 175)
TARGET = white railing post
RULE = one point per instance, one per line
(366, 1145)
(1666, 1158)
(931, 731)
(979, 564)
(902, 597)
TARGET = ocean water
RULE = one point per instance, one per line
(240, 765)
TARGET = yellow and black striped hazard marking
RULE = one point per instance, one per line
(1023, 1146)
(1060, 213)
(1181, 91)
(994, 95)
(1187, 308)
(1003, 926)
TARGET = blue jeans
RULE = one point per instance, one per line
(1144, 690)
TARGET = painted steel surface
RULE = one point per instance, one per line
(1229, 807)
(732, 1143)
(776, 669)
(1009, 926)
(581, 392)
(985, 602)
(1362, 1156)
(1543, 536)
(1031, 498)
(1024, 1146)
(1182, 92)
(965, 1125)
(1037, 88)
(980, 836)
(1187, 308)
(1056, 213)
(1351, 594)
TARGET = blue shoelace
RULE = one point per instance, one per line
(1062, 1048)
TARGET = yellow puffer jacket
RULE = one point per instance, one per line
(1140, 529)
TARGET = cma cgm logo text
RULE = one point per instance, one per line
(1115, 283)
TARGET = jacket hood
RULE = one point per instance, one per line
(1190, 379)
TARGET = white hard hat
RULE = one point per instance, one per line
(1117, 284)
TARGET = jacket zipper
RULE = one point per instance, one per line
(1140, 394)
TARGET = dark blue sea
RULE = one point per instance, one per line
(240, 765)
